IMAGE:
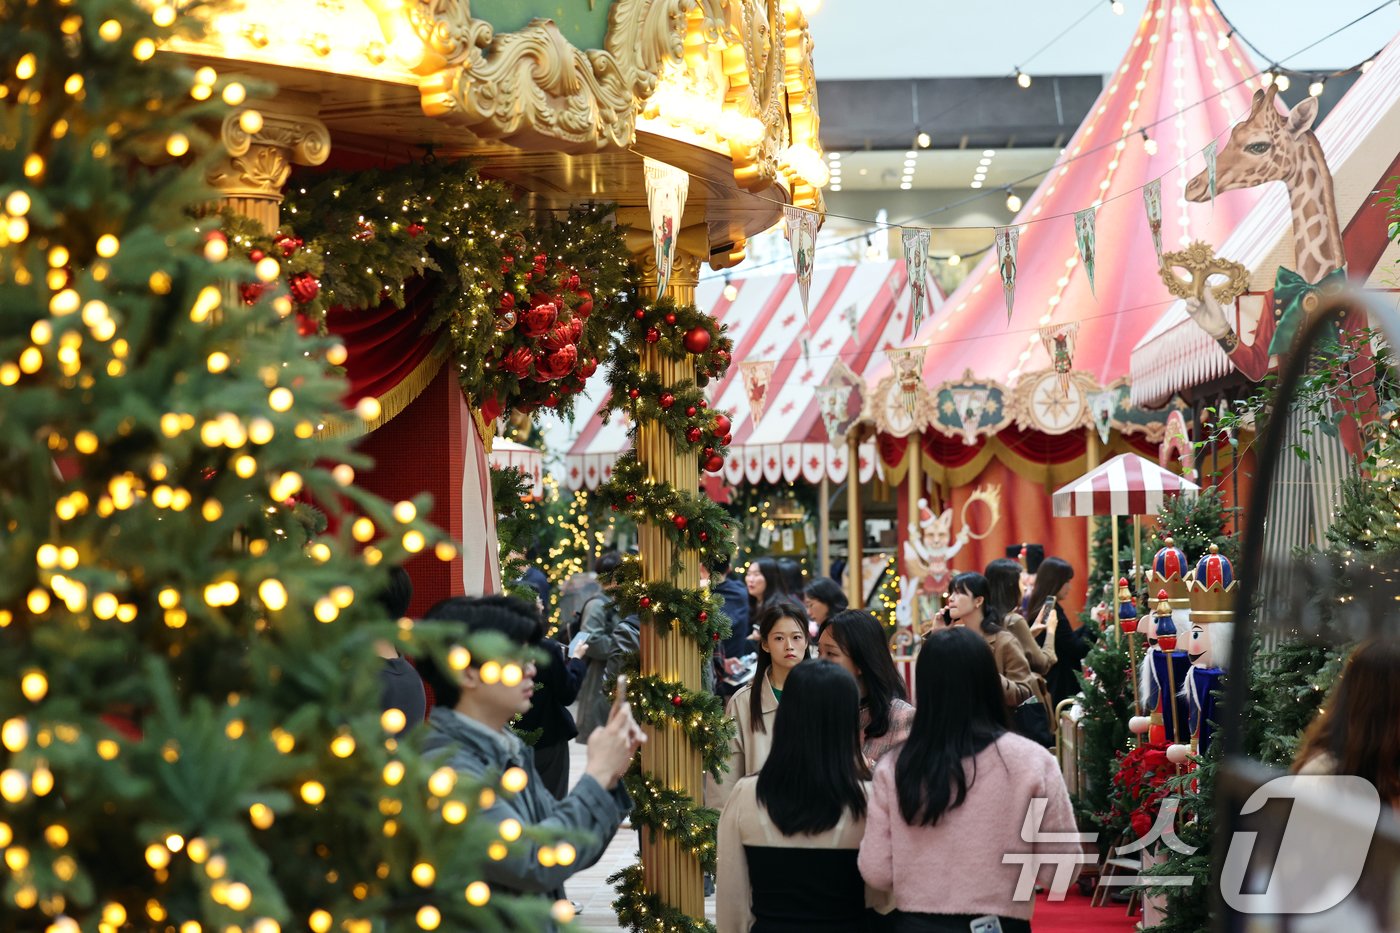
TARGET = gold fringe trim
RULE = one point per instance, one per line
(394, 401)
(486, 431)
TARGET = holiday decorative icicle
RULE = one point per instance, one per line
(802, 237)
(1006, 240)
(916, 262)
(1152, 201)
(667, 188)
(1084, 240)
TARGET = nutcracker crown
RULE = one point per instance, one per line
(1171, 568)
(1212, 592)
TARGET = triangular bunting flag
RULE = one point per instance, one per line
(1058, 340)
(1211, 150)
(852, 314)
(833, 399)
(1006, 239)
(1084, 239)
(756, 375)
(916, 262)
(667, 188)
(1152, 201)
(802, 237)
(908, 363)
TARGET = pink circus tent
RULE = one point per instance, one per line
(765, 320)
(1178, 86)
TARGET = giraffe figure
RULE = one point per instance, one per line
(1269, 145)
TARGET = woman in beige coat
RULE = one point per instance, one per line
(1004, 582)
(782, 645)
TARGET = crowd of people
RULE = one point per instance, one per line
(844, 796)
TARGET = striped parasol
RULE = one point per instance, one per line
(1125, 485)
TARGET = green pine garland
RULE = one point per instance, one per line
(690, 522)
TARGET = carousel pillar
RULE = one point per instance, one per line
(824, 527)
(261, 152)
(915, 479)
(1091, 450)
(671, 871)
(855, 525)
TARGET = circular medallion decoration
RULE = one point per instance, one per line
(1056, 405)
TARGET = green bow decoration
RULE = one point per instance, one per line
(1295, 299)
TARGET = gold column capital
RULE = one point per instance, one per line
(685, 275)
(250, 177)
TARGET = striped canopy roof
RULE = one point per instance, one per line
(765, 321)
(1175, 83)
(1361, 139)
(1125, 485)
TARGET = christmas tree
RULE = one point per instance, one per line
(192, 736)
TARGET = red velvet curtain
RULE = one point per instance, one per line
(386, 344)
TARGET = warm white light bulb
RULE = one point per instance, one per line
(1022, 78)
(1117, 6)
(924, 140)
(1013, 201)
(1315, 89)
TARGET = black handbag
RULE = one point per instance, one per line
(1029, 719)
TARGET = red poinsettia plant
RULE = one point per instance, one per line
(1139, 786)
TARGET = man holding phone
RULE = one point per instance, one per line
(471, 725)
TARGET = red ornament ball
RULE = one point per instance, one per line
(670, 317)
(697, 340)
(585, 305)
(631, 497)
(704, 537)
(693, 435)
(639, 314)
(653, 335)
(667, 400)
(703, 616)
(633, 393)
(645, 602)
(256, 255)
(677, 700)
(680, 521)
(714, 464)
(690, 412)
(722, 424)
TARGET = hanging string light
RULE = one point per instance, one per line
(1117, 7)
(1013, 200)
(1022, 78)
(1315, 88)
(1149, 145)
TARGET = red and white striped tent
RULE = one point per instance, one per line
(1177, 84)
(1125, 485)
(1361, 139)
(765, 320)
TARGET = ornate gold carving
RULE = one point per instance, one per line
(1200, 261)
(533, 82)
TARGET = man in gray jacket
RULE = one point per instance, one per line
(470, 727)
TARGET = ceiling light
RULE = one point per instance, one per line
(1022, 78)
(1282, 82)
(834, 187)
(1013, 201)
(976, 184)
(989, 153)
(1117, 7)
(905, 186)
(1315, 89)
(911, 154)
(910, 163)
(923, 140)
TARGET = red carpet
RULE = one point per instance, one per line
(1074, 915)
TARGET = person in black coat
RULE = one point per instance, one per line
(1071, 645)
(556, 686)
(400, 687)
(736, 644)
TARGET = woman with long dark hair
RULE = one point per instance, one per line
(782, 645)
(823, 598)
(856, 641)
(1358, 730)
(765, 584)
(794, 580)
(789, 837)
(969, 605)
(1004, 583)
(947, 808)
(1052, 626)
